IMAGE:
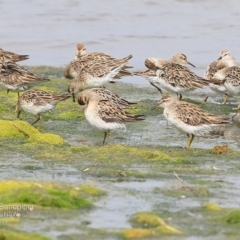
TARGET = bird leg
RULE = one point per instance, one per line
(16, 109)
(238, 111)
(225, 99)
(40, 123)
(38, 119)
(106, 134)
(73, 96)
(159, 89)
(179, 96)
(205, 99)
(190, 139)
(18, 113)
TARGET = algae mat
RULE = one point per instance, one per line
(60, 183)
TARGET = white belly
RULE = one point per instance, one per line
(35, 110)
(97, 82)
(217, 88)
(234, 90)
(97, 122)
(200, 130)
(174, 89)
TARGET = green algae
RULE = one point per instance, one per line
(122, 153)
(212, 207)
(43, 150)
(69, 115)
(7, 105)
(233, 217)
(121, 164)
(46, 198)
(136, 233)
(146, 220)
(9, 129)
(91, 190)
(44, 195)
(147, 224)
(46, 138)
(22, 129)
(16, 235)
(66, 110)
(134, 110)
(188, 191)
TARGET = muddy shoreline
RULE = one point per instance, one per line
(145, 169)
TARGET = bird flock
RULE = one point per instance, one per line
(106, 110)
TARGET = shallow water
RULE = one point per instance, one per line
(49, 32)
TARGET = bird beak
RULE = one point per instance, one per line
(158, 105)
(191, 64)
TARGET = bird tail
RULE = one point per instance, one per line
(134, 118)
(62, 97)
(18, 58)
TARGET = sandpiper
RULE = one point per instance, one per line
(83, 59)
(230, 78)
(190, 119)
(38, 102)
(175, 77)
(226, 59)
(16, 78)
(105, 114)
(95, 75)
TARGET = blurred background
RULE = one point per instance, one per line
(49, 30)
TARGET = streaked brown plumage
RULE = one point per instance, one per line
(170, 74)
(154, 63)
(226, 59)
(84, 59)
(14, 57)
(38, 102)
(95, 75)
(105, 94)
(230, 78)
(105, 114)
(175, 77)
(16, 78)
(189, 118)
